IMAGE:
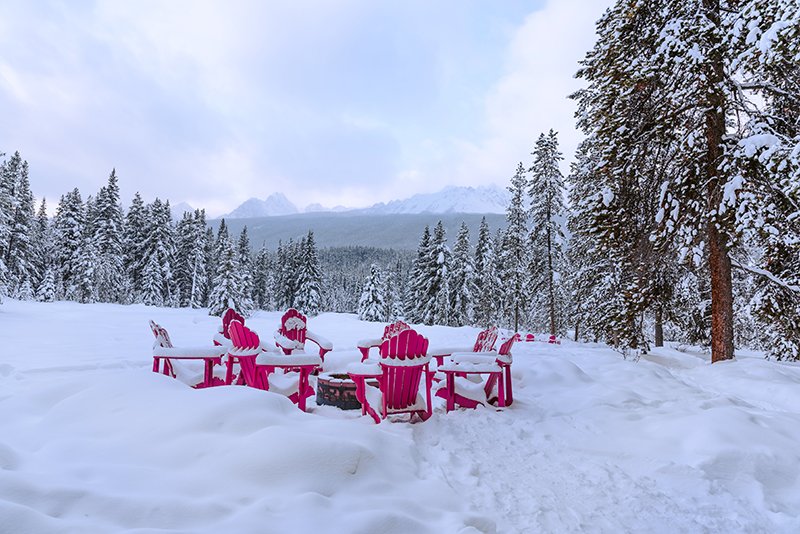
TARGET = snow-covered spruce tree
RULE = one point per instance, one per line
(43, 242)
(5, 226)
(698, 64)
(462, 280)
(765, 164)
(418, 279)
(308, 298)
(135, 243)
(47, 288)
(487, 281)
(190, 258)
(263, 281)
(19, 249)
(211, 265)
(152, 283)
(547, 214)
(393, 291)
(160, 243)
(83, 288)
(436, 294)
(226, 286)
(372, 303)
(245, 266)
(587, 269)
(68, 235)
(515, 255)
(108, 239)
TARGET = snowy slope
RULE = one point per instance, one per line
(92, 441)
(275, 204)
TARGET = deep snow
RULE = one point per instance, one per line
(92, 441)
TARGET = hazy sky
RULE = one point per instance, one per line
(339, 102)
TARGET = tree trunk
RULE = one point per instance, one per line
(659, 327)
(719, 258)
(576, 330)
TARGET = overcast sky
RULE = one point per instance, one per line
(345, 102)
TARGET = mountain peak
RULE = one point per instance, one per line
(275, 204)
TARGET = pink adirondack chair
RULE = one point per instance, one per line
(392, 329)
(222, 337)
(164, 352)
(293, 334)
(484, 343)
(258, 367)
(496, 366)
(403, 376)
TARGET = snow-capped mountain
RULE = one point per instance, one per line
(451, 199)
(275, 204)
(179, 209)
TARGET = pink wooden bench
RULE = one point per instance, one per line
(495, 365)
(392, 329)
(293, 334)
(164, 352)
(403, 376)
(258, 367)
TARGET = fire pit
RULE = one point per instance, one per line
(334, 389)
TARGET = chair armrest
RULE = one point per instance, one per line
(285, 343)
(219, 339)
(369, 343)
(473, 357)
(447, 351)
(319, 340)
(189, 352)
(293, 360)
(364, 369)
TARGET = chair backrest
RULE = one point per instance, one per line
(242, 337)
(505, 348)
(486, 340)
(161, 335)
(293, 326)
(403, 360)
(246, 347)
(394, 329)
(230, 315)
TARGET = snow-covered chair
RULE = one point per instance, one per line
(164, 353)
(293, 334)
(222, 337)
(460, 367)
(403, 376)
(392, 329)
(484, 343)
(258, 367)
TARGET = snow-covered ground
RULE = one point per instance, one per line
(92, 441)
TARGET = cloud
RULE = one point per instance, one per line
(348, 102)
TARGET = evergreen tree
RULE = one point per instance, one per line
(226, 286)
(418, 279)
(68, 228)
(47, 288)
(487, 282)
(372, 303)
(19, 257)
(152, 283)
(462, 280)
(263, 281)
(547, 214)
(108, 234)
(135, 242)
(308, 298)
(83, 288)
(671, 87)
(436, 296)
(515, 258)
(43, 242)
(245, 264)
(160, 243)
